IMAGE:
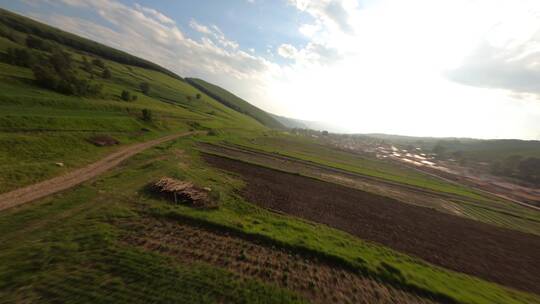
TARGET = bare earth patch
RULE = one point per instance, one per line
(314, 279)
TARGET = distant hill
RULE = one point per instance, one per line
(234, 102)
(291, 122)
(485, 149)
(11, 21)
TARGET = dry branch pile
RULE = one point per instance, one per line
(184, 192)
(103, 140)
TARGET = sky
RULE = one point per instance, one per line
(460, 68)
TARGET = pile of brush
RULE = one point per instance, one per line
(184, 192)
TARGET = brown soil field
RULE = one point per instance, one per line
(315, 280)
(403, 193)
(499, 255)
(442, 202)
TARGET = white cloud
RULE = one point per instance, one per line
(331, 12)
(287, 51)
(154, 14)
(391, 60)
(199, 27)
(508, 55)
(309, 30)
(214, 32)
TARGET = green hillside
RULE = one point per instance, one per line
(234, 102)
(10, 21)
(43, 125)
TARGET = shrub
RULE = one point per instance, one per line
(62, 62)
(126, 96)
(38, 44)
(147, 115)
(529, 169)
(198, 96)
(46, 76)
(87, 66)
(145, 87)
(66, 87)
(99, 63)
(94, 89)
(134, 97)
(106, 74)
(65, 82)
(20, 57)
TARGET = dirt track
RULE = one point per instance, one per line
(73, 178)
(495, 254)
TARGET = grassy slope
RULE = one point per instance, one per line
(235, 102)
(39, 127)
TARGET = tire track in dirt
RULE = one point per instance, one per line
(56, 184)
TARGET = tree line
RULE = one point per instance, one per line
(30, 27)
(53, 68)
(517, 166)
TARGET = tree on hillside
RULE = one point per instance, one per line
(510, 164)
(439, 149)
(529, 169)
(56, 73)
(39, 44)
(62, 62)
(87, 66)
(20, 57)
(99, 63)
(145, 87)
(146, 115)
(106, 74)
(46, 76)
(198, 96)
(126, 96)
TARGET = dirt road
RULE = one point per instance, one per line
(73, 178)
